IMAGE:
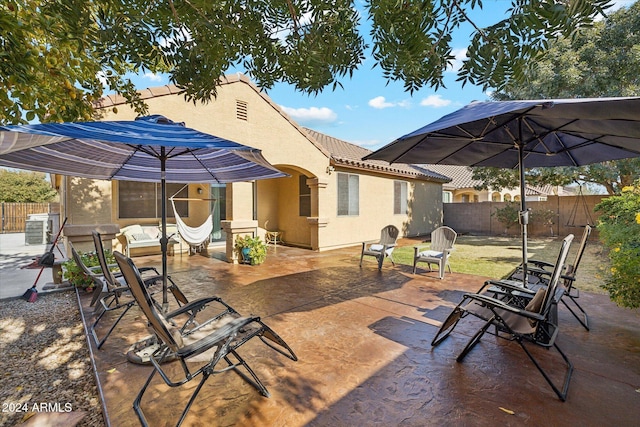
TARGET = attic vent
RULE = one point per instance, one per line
(241, 110)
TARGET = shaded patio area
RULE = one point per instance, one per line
(363, 342)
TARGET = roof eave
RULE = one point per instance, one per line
(385, 170)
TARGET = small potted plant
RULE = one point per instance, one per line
(252, 249)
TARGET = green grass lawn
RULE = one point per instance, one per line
(494, 256)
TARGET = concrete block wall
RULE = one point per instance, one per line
(572, 212)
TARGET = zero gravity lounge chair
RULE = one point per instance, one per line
(539, 273)
(535, 324)
(94, 273)
(117, 296)
(198, 345)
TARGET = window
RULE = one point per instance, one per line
(142, 199)
(348, 194)
(465, 198)
(447, 197)
(304, 193)
(400, 197)
(495, 197)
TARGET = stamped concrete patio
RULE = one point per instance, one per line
(363, 342)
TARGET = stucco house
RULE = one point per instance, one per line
(461, 188)
(330, 199)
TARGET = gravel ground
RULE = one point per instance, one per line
(45, 367)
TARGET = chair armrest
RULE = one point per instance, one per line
(492, 303)
(509, 286)
(95, 269)
(540, 264)
(192, 306)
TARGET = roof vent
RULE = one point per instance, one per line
(241, 110)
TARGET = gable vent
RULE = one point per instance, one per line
(241, 110)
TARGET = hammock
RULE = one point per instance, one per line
(194, 236)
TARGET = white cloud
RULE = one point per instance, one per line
(380, 102)
(313, 115)
(103, 79)
(459, 56)
(435, 101)
(153, 77)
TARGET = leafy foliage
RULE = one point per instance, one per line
(619, 228)
(508, 215)
(599, 61)
(75, 275)
(25, 187)
(257, 249)
(58, 56)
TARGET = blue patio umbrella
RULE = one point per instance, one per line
(148, 149)
(524, 134)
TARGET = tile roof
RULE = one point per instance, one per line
(461, 177)
(345, 154)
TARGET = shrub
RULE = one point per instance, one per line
(545, 217)
(619, 228)
(76, 276)
(508, 215)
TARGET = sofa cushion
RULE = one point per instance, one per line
(132, 229)
(140, 237)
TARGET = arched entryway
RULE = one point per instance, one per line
(287, 203)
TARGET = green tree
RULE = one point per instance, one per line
(56, 56)
(619, 229)
(25, 187)
(600, 61)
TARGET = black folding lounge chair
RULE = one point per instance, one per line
(150, 275)
(539, 273)
(182, 337)
(94, 273)
(116, 296)
(533, 324)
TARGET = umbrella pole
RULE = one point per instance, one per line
(524, 214)
(163, 239)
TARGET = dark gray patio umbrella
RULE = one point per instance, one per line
(149, 149)
(524, 134)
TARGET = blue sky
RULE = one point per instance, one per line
(368, 110)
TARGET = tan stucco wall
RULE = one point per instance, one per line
(91, 201)
(376, 210)
(286, 146)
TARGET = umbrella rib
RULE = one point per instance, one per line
(540, 139)
(492, 121)
(567, 150)
(197, 159)
(122, 164)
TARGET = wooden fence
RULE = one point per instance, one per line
(14, 215)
